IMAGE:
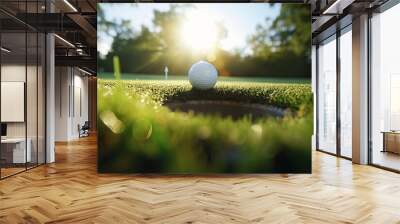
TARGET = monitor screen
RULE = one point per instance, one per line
(3, 129)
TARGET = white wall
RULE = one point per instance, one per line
(13, 100)
(71, 87)
(62, 81)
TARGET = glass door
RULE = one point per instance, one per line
(346, 92)
(22, 77)
(14, 153)
(385, 89)
(326, 101)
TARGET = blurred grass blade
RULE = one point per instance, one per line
(138, 134)
(117, 68)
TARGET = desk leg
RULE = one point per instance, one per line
(384, 142)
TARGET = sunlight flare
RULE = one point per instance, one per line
(199, 32)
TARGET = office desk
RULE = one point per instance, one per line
(391, 141)
(13, 150)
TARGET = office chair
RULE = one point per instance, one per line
(84, 130)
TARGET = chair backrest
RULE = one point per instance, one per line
(86, 124)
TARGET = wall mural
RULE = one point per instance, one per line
(204, 88)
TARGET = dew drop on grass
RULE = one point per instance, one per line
(143, 129)
(257, 129)
(112, 122)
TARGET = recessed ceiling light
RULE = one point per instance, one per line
(70, 5)
(5, 50)
(84, 71)
(337, 7)
(65, 41)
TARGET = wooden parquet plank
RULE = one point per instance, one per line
(71, 191)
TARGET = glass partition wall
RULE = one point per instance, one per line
(334, 94)
(13, 90)
(345, 90)
(385, 89)
(327, 95)
(334, 105)
(22, 98)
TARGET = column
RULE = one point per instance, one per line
(360, 90)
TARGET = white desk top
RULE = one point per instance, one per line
(13, 140)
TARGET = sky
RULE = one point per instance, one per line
(240, 19)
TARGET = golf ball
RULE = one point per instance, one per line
(203, 75)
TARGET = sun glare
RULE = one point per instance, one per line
(199, 32)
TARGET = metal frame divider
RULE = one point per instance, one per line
(338, 76)
(317, 96)
(369, 77)
(0, 92)
(37, 91)
(26, 86)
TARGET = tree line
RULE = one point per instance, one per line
(280, 47)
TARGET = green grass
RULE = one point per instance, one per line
(137, 134)
(125, 76)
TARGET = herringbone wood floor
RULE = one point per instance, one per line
(70, 191)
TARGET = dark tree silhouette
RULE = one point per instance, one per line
(280, 47)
